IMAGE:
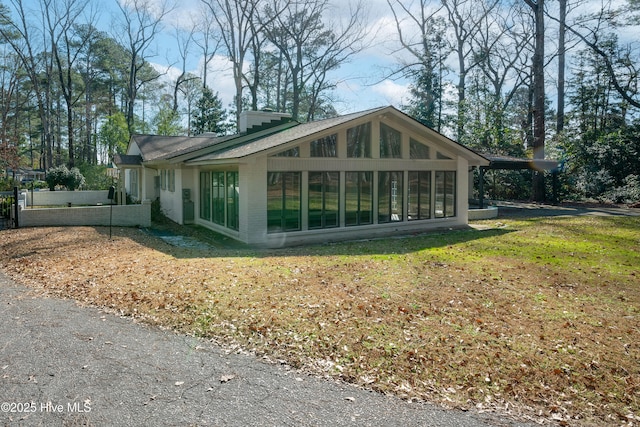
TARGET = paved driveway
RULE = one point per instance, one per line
(65, 365)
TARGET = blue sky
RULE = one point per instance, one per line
(361, 81)
(361, 84)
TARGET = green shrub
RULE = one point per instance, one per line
(627, 193)
(61, 175)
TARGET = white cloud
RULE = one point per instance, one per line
(394, 93)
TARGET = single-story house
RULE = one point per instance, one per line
(279, 182)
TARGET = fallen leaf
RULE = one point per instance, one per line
(227, 378)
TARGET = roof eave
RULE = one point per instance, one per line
(230, 143)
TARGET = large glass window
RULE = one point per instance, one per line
(359, 141)
(283, 201)
(359, 198)
(390, 143)
(205, 196)
(445, 194)
(390, 197)
(217, 189)
(325, 147)
(232, 200)
(324, 199)
(219, 198)
(419, 197)
(418, 150)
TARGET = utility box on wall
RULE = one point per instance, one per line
(188, 214)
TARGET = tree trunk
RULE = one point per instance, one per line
(539, 99)
(561, 65)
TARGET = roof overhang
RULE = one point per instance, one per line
(513, 163)
(127, 160)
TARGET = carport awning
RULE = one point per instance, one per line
(515, 163)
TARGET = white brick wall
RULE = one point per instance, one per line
(61, 198)
(123, 216)
(253, 201)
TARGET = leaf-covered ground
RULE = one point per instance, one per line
(536, 318)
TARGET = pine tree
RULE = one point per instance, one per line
(208, 115)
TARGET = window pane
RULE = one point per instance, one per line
(445, 194)
(315, 200)
(390, 143)
(293, 152)
(390, 197)
(274, 201)
(359, 198)
(331, 199)
(359, 141)
(418, 150)
(232, 201)
(450, 192)
(325, 147)
(352, 198)
(419, 203)
(292, 202)
(324, 199)
(217, 190)
(134, 182)
(205, 196)
(283, 201)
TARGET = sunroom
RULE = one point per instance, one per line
(363, 175)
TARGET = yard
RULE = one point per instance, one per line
(534, 317)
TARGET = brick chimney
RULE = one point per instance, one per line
(253, 121)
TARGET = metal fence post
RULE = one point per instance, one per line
(17, 208)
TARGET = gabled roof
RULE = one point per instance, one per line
(208, 148)
(157, 147)
(280, 138)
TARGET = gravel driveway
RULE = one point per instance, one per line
(66, 365)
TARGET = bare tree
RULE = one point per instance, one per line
(311, 49)
(28, 42)
(235, 19)
(141, 21)
(191, 90)
(562, 34)
(466, 18)
(622, 70)
(538, 63)
(10, 80)
(67, 45)
(421, 33)
(207, 38)
(502, 51)
(184, 40)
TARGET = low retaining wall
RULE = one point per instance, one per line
(122, 215)
(61, 198)
(486, 213)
